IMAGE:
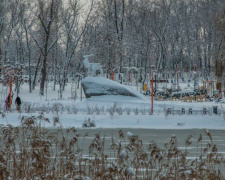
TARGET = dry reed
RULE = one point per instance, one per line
(33, 152)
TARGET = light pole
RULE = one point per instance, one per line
(78, 74)
(194, 72)
(152, 89)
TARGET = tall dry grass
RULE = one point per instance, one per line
(33, 152)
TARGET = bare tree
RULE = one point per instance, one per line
(72, 31)
(2, 24)
(46, 16)
(10, 22)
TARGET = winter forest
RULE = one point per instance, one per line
(48, 38)
(112, 89)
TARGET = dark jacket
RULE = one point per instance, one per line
(7, 100)
(18, 101)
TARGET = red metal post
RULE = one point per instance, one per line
(129, 76)
(112, 74)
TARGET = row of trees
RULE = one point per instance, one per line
(51, 36)
(44, 35)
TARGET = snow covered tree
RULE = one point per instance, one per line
(220, 56)
(46, 14)
(73, 28)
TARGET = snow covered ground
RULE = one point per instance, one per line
(159, 120)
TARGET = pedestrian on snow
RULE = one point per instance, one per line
(18, 103)
(7, 103)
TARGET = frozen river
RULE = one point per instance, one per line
(160, 137)
(195, 150)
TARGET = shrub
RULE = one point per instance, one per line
(128, 110)
(88, 123)
(119, 110)
(112, 110)
(90, 110)
(136, 111)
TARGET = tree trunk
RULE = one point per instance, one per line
(35, 73)
(43, 76)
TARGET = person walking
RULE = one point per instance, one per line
(18, 103)
(7, 103)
